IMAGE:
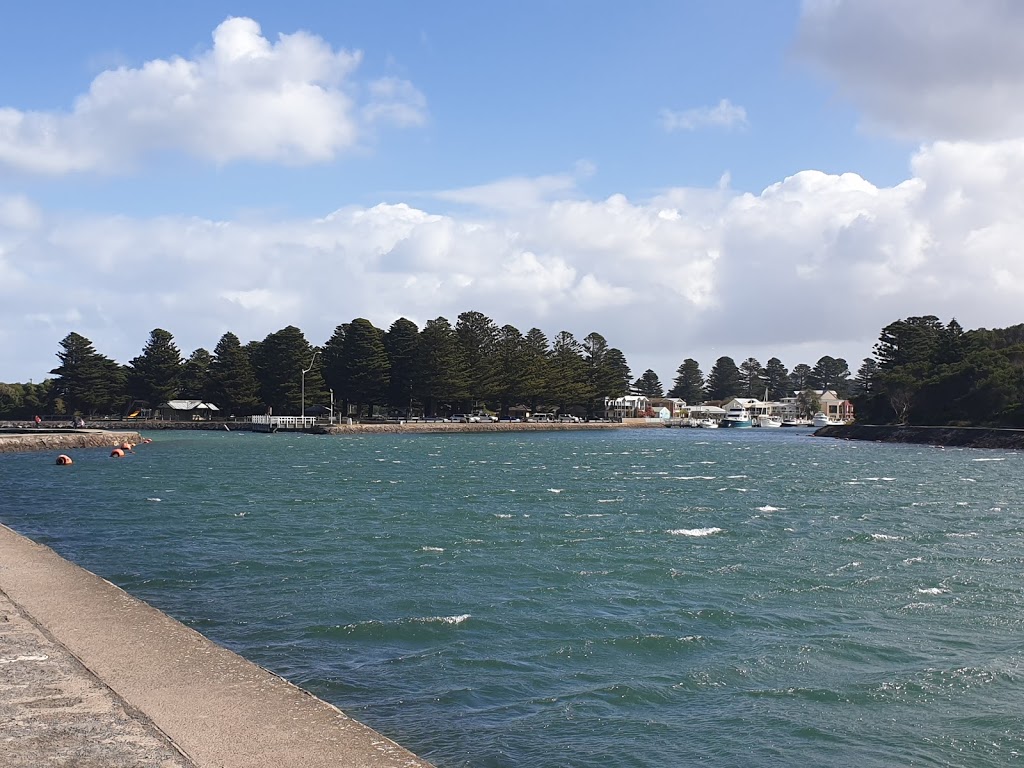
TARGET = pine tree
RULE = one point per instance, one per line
(752, 378)
(279, 361)
(402, 344)
(196, 382)
(477, 334)
(777, 379)
(536, 367)
(365, 367)
(689, 382)
(568, 384)
(443, 375)
(649, 384)
(233, 385)
(87, 381)
(155, 375)
(724, 380)
(510, 367)
(800, 377)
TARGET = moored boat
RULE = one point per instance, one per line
(737, 417)
(764, 420)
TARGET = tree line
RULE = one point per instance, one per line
(440, 368)
(922, 371)
(926, 372)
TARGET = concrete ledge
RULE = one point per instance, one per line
(963, 437)
(216, 707)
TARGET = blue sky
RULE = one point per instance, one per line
(689, 179)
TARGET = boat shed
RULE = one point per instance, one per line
(186, 410)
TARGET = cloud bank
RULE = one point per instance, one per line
(815, 264)
(292, 101)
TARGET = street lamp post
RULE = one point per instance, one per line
(332, 406)
(302, 404)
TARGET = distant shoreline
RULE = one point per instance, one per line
(952, 437)
(30, 438)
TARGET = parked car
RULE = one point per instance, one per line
(466, 418)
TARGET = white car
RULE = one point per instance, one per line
(466, 418)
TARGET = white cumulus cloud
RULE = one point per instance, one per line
(288, 101)
(814, 264)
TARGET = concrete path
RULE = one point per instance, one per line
(90, 677)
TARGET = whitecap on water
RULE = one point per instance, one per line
(153, 498)
(885, 537)
(694, 531)
(431, 549)
(992, 459)
(555, 490)
(767, 508)
(442, 619)
(932, 591)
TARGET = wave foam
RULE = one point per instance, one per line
(694, 531)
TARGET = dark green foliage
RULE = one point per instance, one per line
(510, 360)
(196, 382)
(618, 372)
(752, 378)
(724, 380)
(155, 376)
(477, 335)
(365, 368)
(402, 344)
(689, 382)
(930, 374)
(649, 385)
(831, 373)
(569, 381)
(536, 367)
(607, 373)
(800, 377)
(444, 379)
(777, 379)
(279, 361)
(87, 382)
(233, 385)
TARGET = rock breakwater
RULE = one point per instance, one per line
(964, 437)
(62, 440)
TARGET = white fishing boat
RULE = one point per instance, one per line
(764, 420)
(821, 420)
(737, 417)
(707, 424)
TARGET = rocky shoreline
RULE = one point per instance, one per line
(959, 437)
(17, 440)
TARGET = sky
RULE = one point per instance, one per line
(688, 179)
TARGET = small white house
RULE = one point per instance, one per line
(186, 410)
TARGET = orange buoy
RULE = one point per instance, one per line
(117, 453)
(64, 460)
(126, 446)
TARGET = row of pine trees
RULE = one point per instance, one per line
(922, 372)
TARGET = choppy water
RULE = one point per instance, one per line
(644, 598)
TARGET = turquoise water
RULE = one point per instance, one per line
(632, 598)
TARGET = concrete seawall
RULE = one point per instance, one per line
(96, 678)
(964, 437)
